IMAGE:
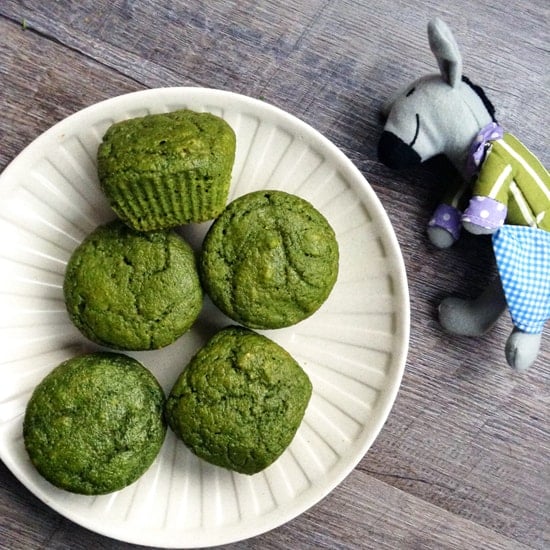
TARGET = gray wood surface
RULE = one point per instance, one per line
(463, 460)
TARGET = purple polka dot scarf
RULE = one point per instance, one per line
(479, 146)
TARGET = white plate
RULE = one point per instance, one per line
(354, 348)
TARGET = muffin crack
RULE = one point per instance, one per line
(240, 400)
(270, 260)
(131, 290)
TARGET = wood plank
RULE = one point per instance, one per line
(37, 90)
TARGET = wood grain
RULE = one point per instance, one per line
(462, 461)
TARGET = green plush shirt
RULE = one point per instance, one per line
(513, 176)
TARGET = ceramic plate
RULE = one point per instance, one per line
(353, 348)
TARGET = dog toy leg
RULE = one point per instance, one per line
(473, 317)
(522, 349)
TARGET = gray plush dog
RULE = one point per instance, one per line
(502, 189)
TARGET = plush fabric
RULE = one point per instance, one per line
(481, 142)
(501, 189)
(447, 217)
(523, 259)
(513, 177)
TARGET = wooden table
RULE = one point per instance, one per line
(463, 460)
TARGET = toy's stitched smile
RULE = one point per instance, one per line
(416, 131)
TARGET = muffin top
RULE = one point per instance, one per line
(130, 290)
(240, 401)
(269, 260)
(163, 170)
(172, 142)
(95, 423)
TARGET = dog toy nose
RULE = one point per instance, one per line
(395, 153)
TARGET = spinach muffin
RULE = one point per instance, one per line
(169, 169)
(130, 290)
(240, 401)
(95, 423)
(270, 260)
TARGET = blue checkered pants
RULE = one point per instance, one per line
(523, 261)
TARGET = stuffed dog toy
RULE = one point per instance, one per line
(503, 190)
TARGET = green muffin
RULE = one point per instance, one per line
(270, 260)
(169, 169)
(95, 423)
(240, 401)
(132, 291)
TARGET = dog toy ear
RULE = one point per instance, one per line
(445, 49)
